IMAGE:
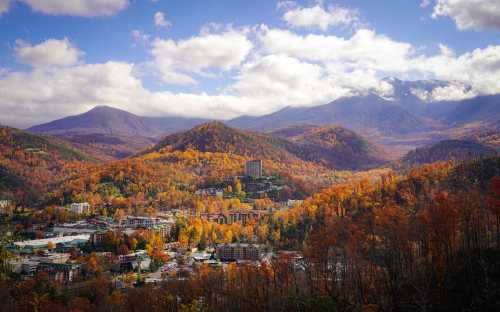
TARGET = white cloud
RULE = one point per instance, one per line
(175, 61)
(479, 69)
(364, 50)
(425, 3)
(4, 6)
(140, 37)
(161, 21)
(48, 53)
(470, 14)
(85, 8)
(318, 16)
(283, 80)
(269, 68)
(50, 93)
(286, 5)
(358, 62)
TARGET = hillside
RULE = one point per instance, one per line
(458, 150)
(215, 137)
(333, 146)
(484, 109)
(30, 163)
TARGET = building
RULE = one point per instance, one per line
(5, 206)
(80, 208)
(60, 272)
(44, 243)
(133, 262)
(236, 252)
(142, 222)
(240, 216)
(211, 191)
(253, 168)
(97, 237)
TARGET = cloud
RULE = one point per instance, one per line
(470, 14)
(364, 50)
(160, 20)
(174, 61)
(425, 3)
(268, 69)
(358, 62)
(4, 6)
(52, 52)
(278, 80)
(318, 16)
(50, 93)
(479, 69)
(85, 8)
(140, 37)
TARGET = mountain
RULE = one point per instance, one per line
(99, 120)
(483, 109)
(333, 146)
(216, 137)
(108, 132)
(29, 164)
(361, 113)
(458, 150)
(410, 95)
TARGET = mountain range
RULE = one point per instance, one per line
(399, 123)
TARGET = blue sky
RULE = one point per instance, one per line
(224, 58)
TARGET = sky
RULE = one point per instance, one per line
(221, 59)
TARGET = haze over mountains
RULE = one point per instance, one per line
(400, 123)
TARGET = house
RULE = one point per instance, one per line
(80, 208)
(237, 252)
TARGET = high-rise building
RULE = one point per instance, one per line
(253, 168)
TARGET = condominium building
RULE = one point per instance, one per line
(235, 252)
(253, 168)
(80, 208)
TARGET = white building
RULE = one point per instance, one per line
(43, 243)
(80, 208)
(142, 222)
(5, 206)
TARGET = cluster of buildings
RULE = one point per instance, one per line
(256, 184)
(240, 216)
(52, 253)
(60, 245)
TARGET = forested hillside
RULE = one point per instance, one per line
(29, 164)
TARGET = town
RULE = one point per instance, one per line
(133, 249)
